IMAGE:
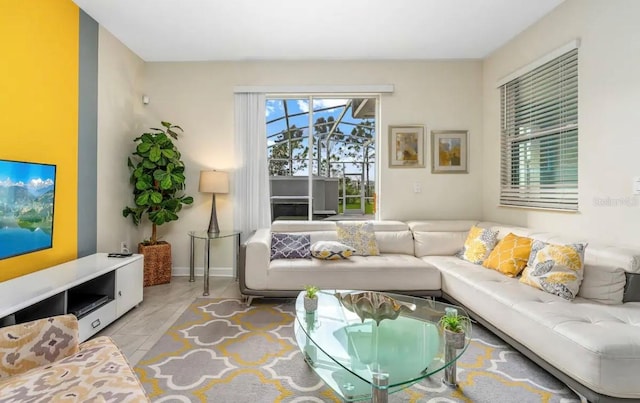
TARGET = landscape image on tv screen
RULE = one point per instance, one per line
(26, 207)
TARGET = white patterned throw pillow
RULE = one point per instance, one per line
(360, 236)
(331, 250)
(290, 246)
(556, 269)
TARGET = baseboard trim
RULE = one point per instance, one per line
(199, 272)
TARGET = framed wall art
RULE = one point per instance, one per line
(406, 146)
(450, 151)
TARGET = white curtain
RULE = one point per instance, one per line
(252, 204)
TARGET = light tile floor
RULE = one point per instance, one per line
(139, 329)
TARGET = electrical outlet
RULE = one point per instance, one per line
(417, 187)
(124, 248)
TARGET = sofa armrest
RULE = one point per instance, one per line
(257, 259)
(33, 344)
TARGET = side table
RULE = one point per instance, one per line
(208, 237)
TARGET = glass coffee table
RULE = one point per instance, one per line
(361, 360)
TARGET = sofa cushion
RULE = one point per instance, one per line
(395, 242)
(290, 246)
(439, 237)
(510, 255)
(556, 269)
(331, 250)
(376, 273)
(480, 242)
(604, 284)
(438, 243)
(98, 372)
(606, 272)
(393, 237)
(606, 255)
(360, 236)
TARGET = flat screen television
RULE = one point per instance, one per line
(27, 193)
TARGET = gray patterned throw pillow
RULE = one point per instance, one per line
(290, 246)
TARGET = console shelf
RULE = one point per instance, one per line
(97, 288)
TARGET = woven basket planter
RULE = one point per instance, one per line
(157, 263)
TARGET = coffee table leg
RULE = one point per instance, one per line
(192, 270)
(206, 268)
(450, 376)
(380, 388)
(236, 255)
(310, 350)
(310, 354)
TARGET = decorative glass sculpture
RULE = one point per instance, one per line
(374, 305)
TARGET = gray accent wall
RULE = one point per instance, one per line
(87, 136)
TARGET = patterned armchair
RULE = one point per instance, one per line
(41, 361)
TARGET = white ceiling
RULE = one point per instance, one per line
(183, 30)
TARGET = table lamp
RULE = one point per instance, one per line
(213, 182)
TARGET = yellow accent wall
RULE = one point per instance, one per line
(39, 104)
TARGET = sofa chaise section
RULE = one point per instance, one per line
(593, 347)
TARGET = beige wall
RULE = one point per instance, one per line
(609, 100)
(440, 95)
(119, 110)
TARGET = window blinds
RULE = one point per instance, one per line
(539, 136)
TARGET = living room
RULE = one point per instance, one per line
(86, 127)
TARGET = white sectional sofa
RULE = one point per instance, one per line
(591, 343)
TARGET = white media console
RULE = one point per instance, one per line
(97, 288)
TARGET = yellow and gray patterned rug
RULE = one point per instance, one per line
(220, 350)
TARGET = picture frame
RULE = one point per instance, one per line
(406, 146)
(449, 151)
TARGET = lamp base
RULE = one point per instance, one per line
(213, 221)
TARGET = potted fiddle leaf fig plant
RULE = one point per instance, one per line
(454, 326)
(310, 298)
(157, 176)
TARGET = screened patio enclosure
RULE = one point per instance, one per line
(322, 157)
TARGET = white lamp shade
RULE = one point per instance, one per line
(214, 182)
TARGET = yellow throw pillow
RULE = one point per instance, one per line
(360, 236)
(510, 255)
(556, 269)
(480, 242)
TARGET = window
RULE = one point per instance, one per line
(539, 136)
(325, 172)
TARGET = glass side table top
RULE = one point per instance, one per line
(213, 235)
(349, 354)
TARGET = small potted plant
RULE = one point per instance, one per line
(454, 326)
(310, 298)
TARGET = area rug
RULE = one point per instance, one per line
(223, 351)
